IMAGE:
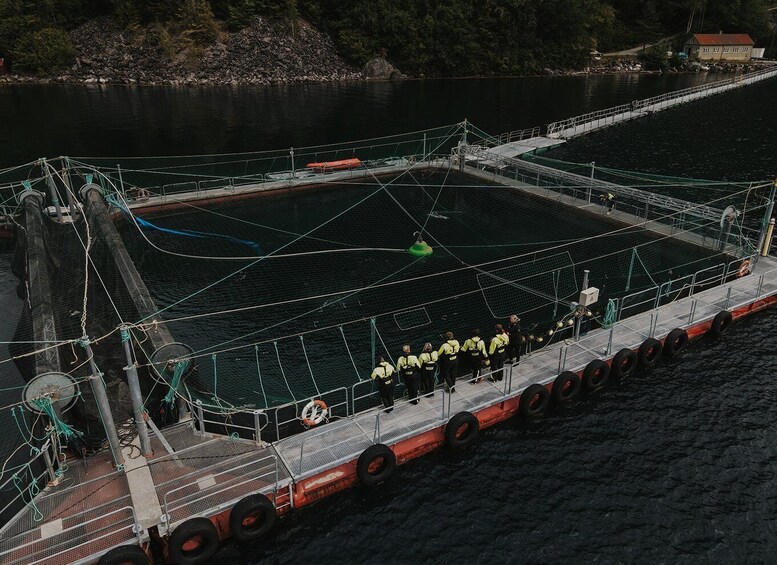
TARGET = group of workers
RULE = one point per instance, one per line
(418, 372)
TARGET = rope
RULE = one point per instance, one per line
(302, 341)
(259, 373)
(278, 355)
(348, 349)
(175, 383)
(62, 429)
(610, 314)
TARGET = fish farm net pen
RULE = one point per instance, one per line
(291, 294)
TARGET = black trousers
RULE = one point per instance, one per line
(386, 393)
(411, 384)
(497, 366)
(475, 364)
(427, 380)
(449, 370)
(514, 348)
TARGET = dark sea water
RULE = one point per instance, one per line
(676, 466)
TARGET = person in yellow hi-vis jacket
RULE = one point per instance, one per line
(496, 351)
(384, 376)
(408, 366)
(449, 361)
(428, 360)
(475, 349)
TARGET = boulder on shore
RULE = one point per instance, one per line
(380, 69)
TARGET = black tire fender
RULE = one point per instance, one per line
(196, 528)
(124, 555)
(252, 517)
(675, 342)
(721, 323)
(624, 364)
(462, 429)
(566, 387)
(380, 455)
(534, 401)
(650, 352)
(596, 374)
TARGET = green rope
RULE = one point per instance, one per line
(60, 427)
(610, 313)
(32, 490)
(178, 371)
(125, 335)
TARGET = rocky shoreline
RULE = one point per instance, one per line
(265, 53)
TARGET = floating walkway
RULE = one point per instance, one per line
(594, 121)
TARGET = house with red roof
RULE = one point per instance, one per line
(719, 47)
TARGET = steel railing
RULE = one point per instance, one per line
(205, 493)
(638, 107)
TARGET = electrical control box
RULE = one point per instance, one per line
(589, 296)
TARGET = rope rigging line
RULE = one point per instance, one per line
(259, 374)
(251, 264)
(283, 373)
(384, 284)
(350, 355)
(349, 144)
(310, 369)
(138, 222)
(390, 312)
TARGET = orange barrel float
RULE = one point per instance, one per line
(341, 165)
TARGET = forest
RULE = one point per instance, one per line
(421, 37)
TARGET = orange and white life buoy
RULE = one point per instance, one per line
(744, 268)
(314, 413)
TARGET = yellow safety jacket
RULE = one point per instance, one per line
(449, 350)
(407, 364)
(428, 361)
(476, 347)
(383, 373)
(498, 344)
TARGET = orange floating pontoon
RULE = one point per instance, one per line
(341, 165)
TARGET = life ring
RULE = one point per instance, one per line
(624, 363)
(376, 464)
(314, 413)
(566, 387)
(720, 323)
(595, 374)
(534, 401)
(744, 269)
(650, 352)
(462, 429)
(411, 160)
(193, 542)
(124, 555)
(252, 517)
(675, 342)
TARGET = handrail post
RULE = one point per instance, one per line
(257, 427)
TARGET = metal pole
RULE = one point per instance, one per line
(137, 397)
(293, 170)
(121, 180)
(69, 190)
(767, 217)
(373, 331)
(581, 309)
(631, 267)
(590, 188)
(424, 153)
(52, 189)
(464, 135)
(257, 426)
(768, 241)
(103, 406)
